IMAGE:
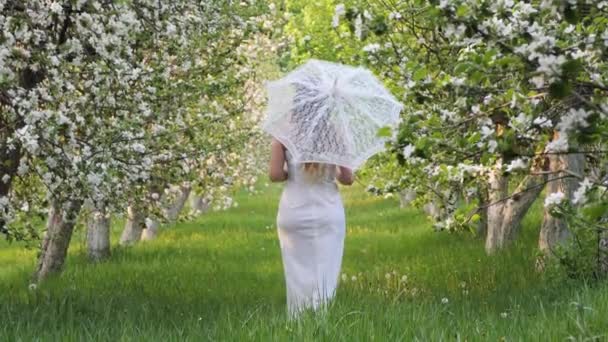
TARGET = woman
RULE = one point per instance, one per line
(311, 227)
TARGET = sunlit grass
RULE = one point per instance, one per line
(220, 278)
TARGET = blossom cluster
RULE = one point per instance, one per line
(99, 98)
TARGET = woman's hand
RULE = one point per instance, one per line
(277, 171)
(345, 176)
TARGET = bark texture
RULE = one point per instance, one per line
(602, 234)
(133, 227)
(151, 231)
(603, 250)
(482, 225)
(198, 204)
(554, 231)
(9, 162)
(175, 208)
(98, 235)
(406, 196)
(432, 209)
(54, 247)
(505, 212)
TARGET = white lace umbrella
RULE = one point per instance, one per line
(330, 113)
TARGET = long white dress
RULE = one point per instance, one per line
(311, 228)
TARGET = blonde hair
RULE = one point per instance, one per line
(316, 171)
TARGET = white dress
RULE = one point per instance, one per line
(311, 228)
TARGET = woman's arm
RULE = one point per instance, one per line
(277, 172)
(345, 176)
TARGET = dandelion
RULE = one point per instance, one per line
(344, 277)
(387, 276)
(353, 278)
(444, 300)
(404, 279)
(32, 287)
(503, 314)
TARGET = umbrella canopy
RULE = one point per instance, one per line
(330, 113)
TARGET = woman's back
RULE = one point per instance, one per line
(311, 227)
(315, 187)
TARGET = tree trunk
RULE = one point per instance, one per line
(482, 225)
(406, 196)
(504, 218)
(554, 231)
(54, 247)
(98, 235)
(199, 204)
(432, 210)
(602, 235)
(174, 209)
(151, 231)
(9, 162)
(133, 228)
(497, 190)
(603, 250)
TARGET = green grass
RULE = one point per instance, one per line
(220, 278)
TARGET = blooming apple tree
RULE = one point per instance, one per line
(501, 98)
(97, 98)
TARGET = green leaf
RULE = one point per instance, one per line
(572, 15)
(560, 90)
(595, 211)
(462, 10)
(476, 77)
(419, 74)
(463, 67)
(385, 132)
(474, 138)
(378, 26)
(572, 68)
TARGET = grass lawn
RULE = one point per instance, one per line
(220, 278)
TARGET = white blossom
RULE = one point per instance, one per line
(578, 197)
(543, 122)
(408, 150)
(558, 145)
(359, 27)
(517, 164)
(394, 16)
(56, 8)
(139, 148)
(551, 65)
(538, 81)
(554, 198)
(372, 48)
